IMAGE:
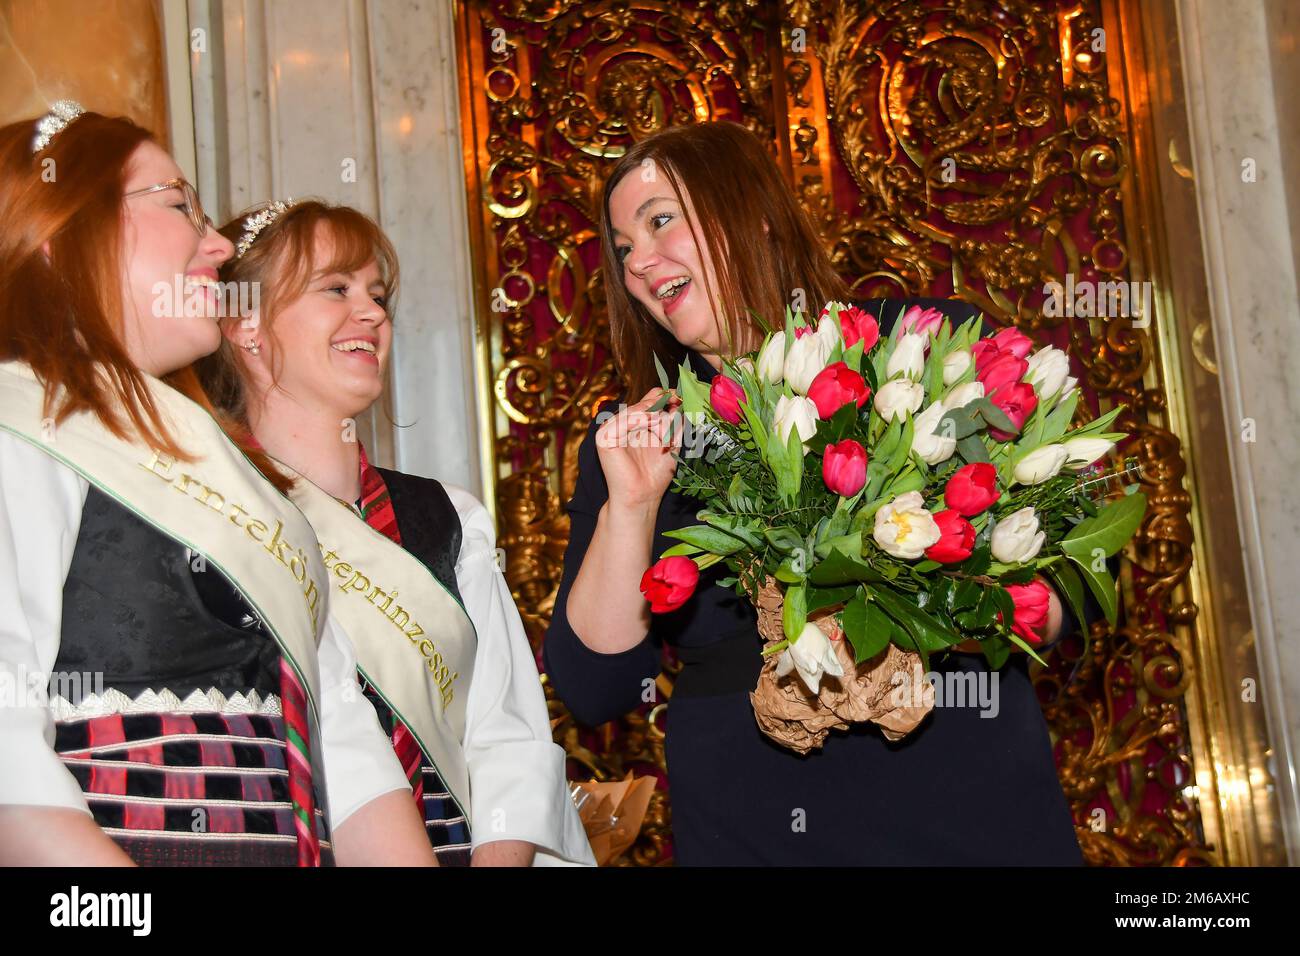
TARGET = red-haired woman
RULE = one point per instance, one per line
(700, 228)
(439, 641)
(177, 679)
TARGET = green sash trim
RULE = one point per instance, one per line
(415, 643)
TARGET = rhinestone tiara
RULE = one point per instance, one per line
(54, 122)
(254, 224)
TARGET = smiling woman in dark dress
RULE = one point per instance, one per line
(974, 784)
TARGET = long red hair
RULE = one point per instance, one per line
(61, 269)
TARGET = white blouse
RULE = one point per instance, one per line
(40, 515)
(518, 786)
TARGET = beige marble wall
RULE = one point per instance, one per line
(106, 54)
(1238, 60)
(356, 101)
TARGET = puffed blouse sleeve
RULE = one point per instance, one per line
(518, 787)
(359, 761)
(41, 502)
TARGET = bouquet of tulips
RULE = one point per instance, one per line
(884, 499)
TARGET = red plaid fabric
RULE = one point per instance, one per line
(181, 788)
(377, 511)
(447, 828)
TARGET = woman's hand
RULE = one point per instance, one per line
(636, 452)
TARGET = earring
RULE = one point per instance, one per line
(254, 348)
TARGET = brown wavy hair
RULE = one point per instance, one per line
(736, 188)
(281, 262)
(61, 311)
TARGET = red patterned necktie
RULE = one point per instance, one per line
(297, 736)
(377, 511)
(297, 748)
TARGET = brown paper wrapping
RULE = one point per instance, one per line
(612, 813)
(788, 713)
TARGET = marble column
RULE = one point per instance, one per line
(107, 55)
(355, 101)
(1239, 64)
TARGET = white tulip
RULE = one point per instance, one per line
(908, 358)
(904, 528)
(955, 365)
(963, 395)
(828, 330)
(771, 360)
(812, 655)
(799, 414)
(1040, 464)
(926, 442)
(1048, 369)
(1066, 389)
(808, 355)
(1082, 452)
(899, 397)
(1016, 537)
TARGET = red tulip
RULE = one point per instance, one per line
(972, 488)
(1032, 602)
(957, 539)
(1005, 369)
(669, 582)
(834, 387)
(725, 395)
(1017, 402)
(844, 467)
(1009, 340)
(858, 326)
(922, 321)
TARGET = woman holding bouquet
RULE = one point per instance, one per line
(700, 231)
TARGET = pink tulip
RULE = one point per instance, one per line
(725, 395)
(844, 467)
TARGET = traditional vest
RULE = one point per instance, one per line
(415, 643)
(219, 511)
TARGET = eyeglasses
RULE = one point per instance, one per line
(193, 208)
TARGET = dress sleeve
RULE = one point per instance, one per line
(596, 687)
(518, 788)
(359, 761)
(40, 514)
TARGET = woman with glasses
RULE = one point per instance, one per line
(176, 689)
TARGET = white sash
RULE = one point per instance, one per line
(218, 506)
(415, 643)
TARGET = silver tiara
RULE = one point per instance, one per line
(54, 122)
(258, 221)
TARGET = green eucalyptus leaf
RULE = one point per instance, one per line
(707, 538)
(819, 598)
(794, 613)
(1109, 530)
(1102, 586)
(1070, 585)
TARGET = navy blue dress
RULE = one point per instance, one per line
(969, 786)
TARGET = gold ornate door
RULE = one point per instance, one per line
(982, 149)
